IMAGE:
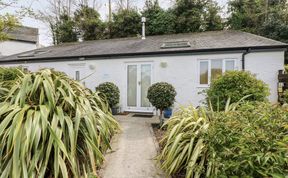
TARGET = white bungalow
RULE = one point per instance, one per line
(187, 61)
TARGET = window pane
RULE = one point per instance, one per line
(216, 69)
(204, 72)
(229, 65)
(145, 84)
(132, 85)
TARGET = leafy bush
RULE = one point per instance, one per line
(111, 91)
(285, 96)
(184, 147)
(161, 95)
(250, 141)
(51, 126)
(236, 85)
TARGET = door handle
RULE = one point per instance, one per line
(139, 83)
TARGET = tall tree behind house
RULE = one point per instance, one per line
(89, 24)
(159, 21)
(268, 18)
(64, 29)
(196, 16)
(125, 23)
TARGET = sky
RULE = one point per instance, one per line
(40, 5)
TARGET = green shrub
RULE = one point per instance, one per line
(161, 95)
(285, 96)
(111, 91)
(184, 147)
(52, 126)
(236, 85)
(250, 141)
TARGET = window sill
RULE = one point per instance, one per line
(203, 86)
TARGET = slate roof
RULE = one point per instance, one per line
(204, 41)
(22, 33)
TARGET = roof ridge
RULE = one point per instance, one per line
(263, 37)
(147, 37)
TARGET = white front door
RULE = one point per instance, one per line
(139, 79)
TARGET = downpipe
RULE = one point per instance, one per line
(243, 58)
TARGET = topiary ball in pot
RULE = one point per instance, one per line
(161, 95)
(236, 85)
(112, 93)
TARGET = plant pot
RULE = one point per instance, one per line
(167, 113)
(115, 110)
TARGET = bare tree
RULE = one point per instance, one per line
(125, 4)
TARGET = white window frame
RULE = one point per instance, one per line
(224, 64)
(209, 69)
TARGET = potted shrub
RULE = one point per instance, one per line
(168, 112)
(162, 96)
(112, 94)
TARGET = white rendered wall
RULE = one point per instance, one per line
(181, 72)
(266, 65)
(8, 48)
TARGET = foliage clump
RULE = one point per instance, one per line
(88, 23)
(285, 96)
(111, 92)
(7, 79)
(246, 141)
(9, 74)
(159, 21)
(184, 148)
(7, 23)
(63, 30)
(52, 126)
(126, 23)
(161, 95)
(236, 85)
(249, 142)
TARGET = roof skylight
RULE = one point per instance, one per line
(33, 53)
(176, 44)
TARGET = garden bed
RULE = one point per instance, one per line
(122, 113)
(159, 133)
